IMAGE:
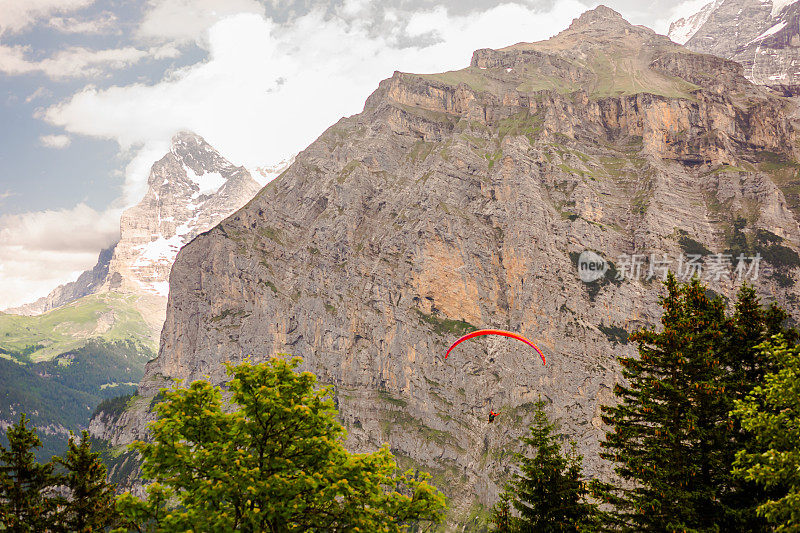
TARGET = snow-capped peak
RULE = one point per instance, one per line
(683, 29)
(267, 173)
(192, 188)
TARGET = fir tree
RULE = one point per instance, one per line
(26, 499)
(501, 519)
(548, 493)
(91, 504)
(771, 412)
(671, 435)
(746, 365)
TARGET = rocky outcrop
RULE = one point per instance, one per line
(87, 283)
(190, 190)
(764, 36)
(463, 200)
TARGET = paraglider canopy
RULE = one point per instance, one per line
(510, 334)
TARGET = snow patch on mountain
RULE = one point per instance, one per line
(773, 30)
(160, 249)
(265, 174)
(683, 29)
(208, 182)
(778, 5)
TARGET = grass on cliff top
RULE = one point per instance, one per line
(471, 76)
(619, 73)
(42, 337)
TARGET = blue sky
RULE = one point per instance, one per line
(91, 92)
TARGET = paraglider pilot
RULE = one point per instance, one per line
(492, 416)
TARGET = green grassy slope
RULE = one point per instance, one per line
(57, 367)
(108, 316)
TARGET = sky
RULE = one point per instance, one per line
(91, 91)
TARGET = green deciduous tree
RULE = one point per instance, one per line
(771, 413)
(671, 435)
(26, 499)
(273, 462)
(90, 504)
(548, 493)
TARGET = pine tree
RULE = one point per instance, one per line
(671, 435)
(548, 493)
(26, 499)
(771, 413)
(501, 519)
(91, 502)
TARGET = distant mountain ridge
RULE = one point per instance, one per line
(87, 283)
(190, 189)
(762, 35)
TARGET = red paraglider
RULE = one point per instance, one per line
(496, 332)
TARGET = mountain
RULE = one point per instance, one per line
(683, 29)
(87, 283)
(90, 339)
(465, 200)
(762, 35)
(190, 190)
(56, 367)
(106, 316)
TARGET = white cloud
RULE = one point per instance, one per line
(105, 22)
(40, 92)
(188, 20)
(41, 250)
(267, 90)
(55, 141)
(77, 62)
(16, 15)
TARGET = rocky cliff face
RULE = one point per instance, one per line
(764, 36)
(463, 200)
